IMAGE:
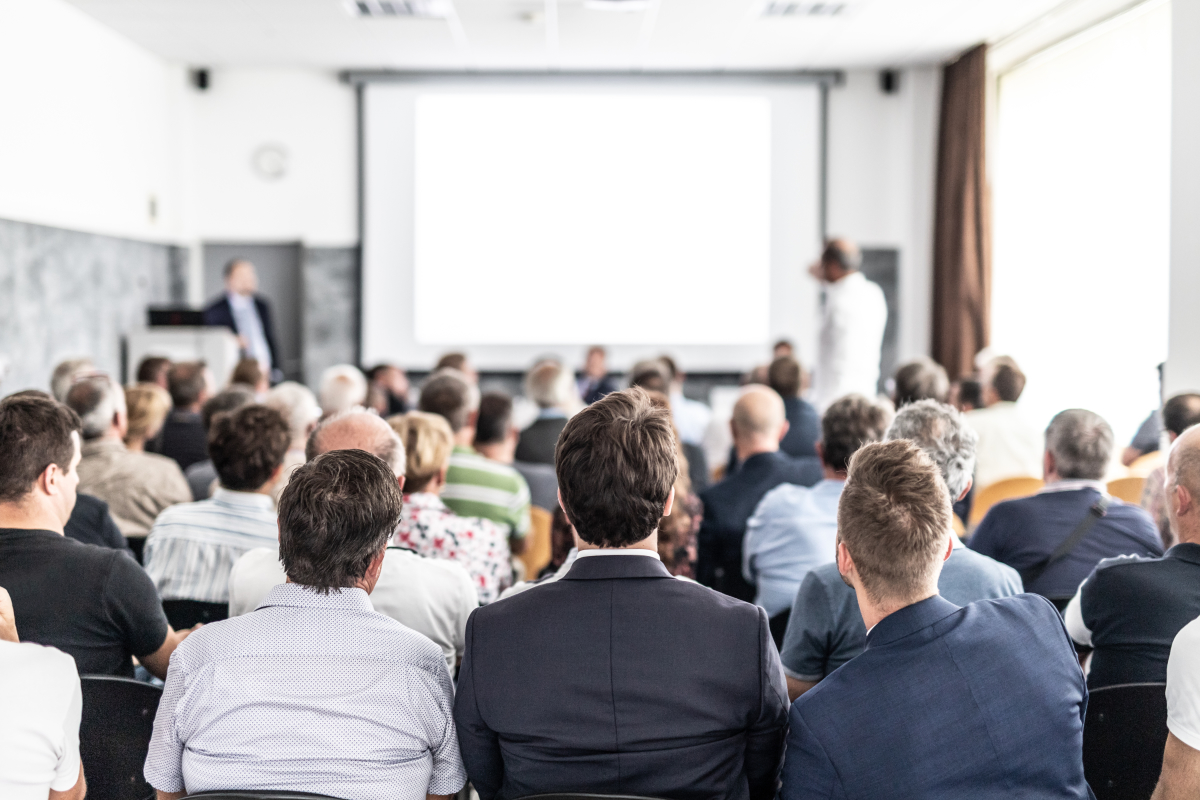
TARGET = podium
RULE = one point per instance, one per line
(216, 347)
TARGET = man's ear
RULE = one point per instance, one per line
(564, 508)
(819, 446)
(472, 418)
(670, 503)
(783, 430)
(1048, 464)
(400, 481)
(967, 490)
(1185, 499)
(845, 563)
(949, 547)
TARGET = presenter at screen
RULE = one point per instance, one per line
(853, 317)
(247, 314)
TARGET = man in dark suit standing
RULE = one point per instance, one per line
(619, 678)
(247, 314)
(997, 678)
(758, 425)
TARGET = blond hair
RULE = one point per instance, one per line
(427, 441)
(147, 405)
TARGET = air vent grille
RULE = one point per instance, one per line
(785, 8)
(419, 9)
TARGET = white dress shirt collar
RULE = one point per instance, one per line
(618, 551)
(1074, 484)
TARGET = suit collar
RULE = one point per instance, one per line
(616, 566)
(1185, 551)
(761, 460)
(909, 620)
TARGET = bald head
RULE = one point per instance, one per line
(759, 421)
(357, 429)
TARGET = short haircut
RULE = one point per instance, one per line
(342, 386)
(672, 367)
(249, 372)
(1082, 444)
(247, 446)
(842, 252)
(616, 465)
(152, 368)
(549, 385)
(651, 376)
(849, 423)
(427, 441)
(921, 379)
(1008, 380)
(97, 400)
(35, 432)
(456, 361)
(186, 382)
(785, 376)
(894, 519)
(970, 392)
(147, 405)
(231, 399)
(64, 376)
(943, 433)
(449, 394)
(785, 344)
(298, 405)
(1181, 412)
(232, 264)
(597, 349)
(371, 434)
(495, 418)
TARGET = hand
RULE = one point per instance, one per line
(8, 619)
(817, 270)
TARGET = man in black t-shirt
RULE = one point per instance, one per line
(94, 603)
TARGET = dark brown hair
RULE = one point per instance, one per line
(894, 518)
(1008, 381)
(337, 512)
(451, 361)
(1181, 412)
(785, 376)
(151, 369)
(248, 371)
(494, 419)
(616, 464)
(247, 446)
(35, 432)
(448, 395)
(185, 382)
(847, 425)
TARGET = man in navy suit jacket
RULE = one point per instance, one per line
(618, 678)
(982, 701)
(246, 314)
(758, 425)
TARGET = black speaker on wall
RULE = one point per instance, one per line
(200, 79)
(889, 81)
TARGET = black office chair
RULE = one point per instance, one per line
(258, 796)
(114, 735)
(186, 613)
(1123, 739)
(584, 796)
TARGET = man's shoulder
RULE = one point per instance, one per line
(472, 469)
(31, 665)
(406, 565)
(782, 499)
(980, 569)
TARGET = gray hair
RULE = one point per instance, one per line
(65, 375)
(1081, 443)
(97, 399)
(373, 436)
(549, 384)
(298, 405)
(943, 433)
(343, 386)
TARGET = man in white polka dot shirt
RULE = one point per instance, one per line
(313, 691)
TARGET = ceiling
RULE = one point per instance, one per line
(563, 34)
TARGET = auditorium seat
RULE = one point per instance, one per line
(114, 735)
(1145, 464)
(537, 547)
(186, 613)
(1007, 489)
(1127, 489)
(1124, 734)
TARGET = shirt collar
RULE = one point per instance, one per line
(1185, 551)
(252, 500)
(1073, 485)
(239, 300)
(618, 551)
(293, 595)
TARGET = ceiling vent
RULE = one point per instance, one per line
(784, 8)
(412, 9)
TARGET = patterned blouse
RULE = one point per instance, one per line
(431, 529)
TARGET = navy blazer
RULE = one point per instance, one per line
(982, 701)
(804, 428)
(220, 314)
(727, 507)
(620, 679)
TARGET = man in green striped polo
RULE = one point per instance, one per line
(480, 482)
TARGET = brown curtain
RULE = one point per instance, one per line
(962, 242)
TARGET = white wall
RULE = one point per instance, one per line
(1183, 345)
(882, 164)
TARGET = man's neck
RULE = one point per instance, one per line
(1189, 531)
(29, 516)
(832, 474)
(464, 437)
(754, 448)
(497, 452)
(113, 435)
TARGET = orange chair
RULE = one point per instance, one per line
(537, 542)
(960, 530)
(1142, 466)
(1007, 489)
(1127, 489)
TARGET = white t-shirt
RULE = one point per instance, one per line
(852, 325)
(432, 596)
(1009, 445)
(39, 721)
(1183, 686)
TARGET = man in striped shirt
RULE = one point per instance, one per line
(193, 546)
(480, 481)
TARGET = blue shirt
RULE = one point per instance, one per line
(793, 530)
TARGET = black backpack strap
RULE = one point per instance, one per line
(1097, 510)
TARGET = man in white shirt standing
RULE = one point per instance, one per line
(853, 317)
(39, 728)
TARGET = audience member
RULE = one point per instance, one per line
(595, 382)
(691, 416)
(1130, 608)
(564, 549)
(677, 533)
(548, 385)
(966, 394)
(183, 437)
(93, 603)
(460, 362)
(542, 483)
(427, 526)
(1057, 537)
(529, 717)
(1180, 778)
(65, 375)
(853, 317)
(758, 425)
(998, 678)
(246, 313)
(299, 407)
(249, 373)
(920, 379)
(786, 377)
(388, 392)
(202, 476)
(92, 523)
(136, 486)
(370, 699)
(475, 485)
(1179, 413)
(1145, 439)
(793, 529)
(39, 729)
(826, 627)
(153, 369)
(343, 387)
(782, 348)
(193, 546)
(653, 376)
(431, 596)
(146, 409)
(1009, 446)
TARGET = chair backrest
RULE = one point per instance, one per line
(1143, 465)
(1007, 489)
(1127, 489)
(114, 735)
(186, 613)
(1123, 739)
(250, 795)
(537, 544)
(584, 796)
